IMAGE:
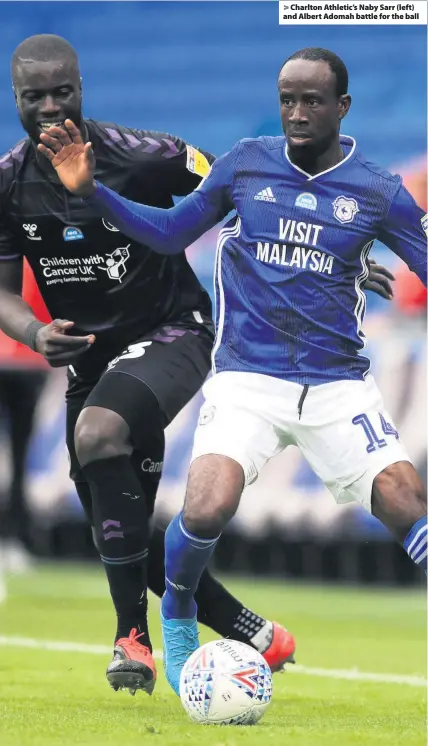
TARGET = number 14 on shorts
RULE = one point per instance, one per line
(375, 442)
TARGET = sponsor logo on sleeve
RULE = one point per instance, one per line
(197, 163)
(424, 222)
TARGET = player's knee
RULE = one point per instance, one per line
(208, 515)
(400, 483)
(399, 498)
(213, 493)
(207, 522)
(100, 434)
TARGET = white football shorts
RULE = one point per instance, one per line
(343, 429)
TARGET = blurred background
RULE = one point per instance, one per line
(206, 71)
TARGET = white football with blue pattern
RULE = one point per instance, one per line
(227, 683)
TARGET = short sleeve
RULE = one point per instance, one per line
(8, 243)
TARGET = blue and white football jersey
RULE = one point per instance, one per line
(291, 263)
(290, 266)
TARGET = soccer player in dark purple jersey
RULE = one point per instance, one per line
(288, 363)
(134, 330)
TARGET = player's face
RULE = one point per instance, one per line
(47, 93)
(310, 109)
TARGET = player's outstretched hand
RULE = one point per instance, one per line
(379, 280)
(59, 349)
(73, 160)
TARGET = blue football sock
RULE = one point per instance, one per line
(416, 542)
(186, 557)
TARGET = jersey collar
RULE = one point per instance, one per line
(344, 140)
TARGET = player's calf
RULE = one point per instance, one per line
(213, 492)
(121, 528)
(223, 613)
(399, 500)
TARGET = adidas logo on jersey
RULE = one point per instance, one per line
(266, 195)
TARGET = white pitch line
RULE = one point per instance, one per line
(326, 673)
(64, 647)
(354, 674)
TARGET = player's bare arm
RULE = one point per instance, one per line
(15, 314)
(18, 321)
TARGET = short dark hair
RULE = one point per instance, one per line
(42, 48)
(336, 65)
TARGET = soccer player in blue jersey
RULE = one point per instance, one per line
(288, 366)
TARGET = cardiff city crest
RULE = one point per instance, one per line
(345, 209)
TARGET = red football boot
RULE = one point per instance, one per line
(132, 666)
(281, 650)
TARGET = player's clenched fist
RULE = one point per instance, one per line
(58, 347)
(73, 160)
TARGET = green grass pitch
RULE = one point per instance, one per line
(61, 697)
